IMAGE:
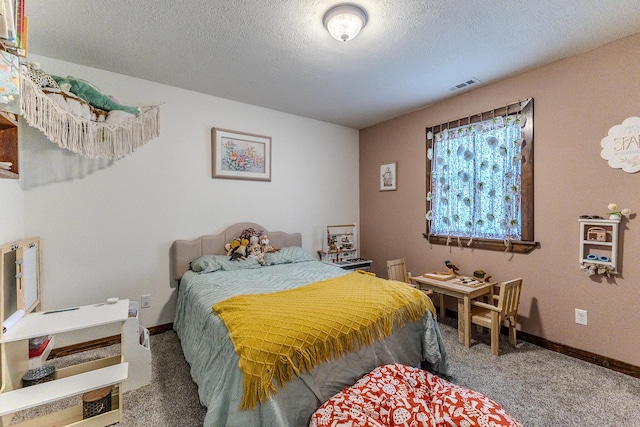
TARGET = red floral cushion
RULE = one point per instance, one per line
(398, 395)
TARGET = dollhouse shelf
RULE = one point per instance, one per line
(599, 242)
(341, 247)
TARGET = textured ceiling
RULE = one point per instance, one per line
(277, 54)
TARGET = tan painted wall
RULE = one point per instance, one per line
(576, 100)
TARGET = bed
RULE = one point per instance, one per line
(210, 351)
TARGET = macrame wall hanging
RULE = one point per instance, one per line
(110, 131)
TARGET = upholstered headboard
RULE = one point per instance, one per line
(185, 251)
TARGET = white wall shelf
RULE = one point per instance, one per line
(599, 242)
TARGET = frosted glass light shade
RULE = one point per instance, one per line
(344, 22)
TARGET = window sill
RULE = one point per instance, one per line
(517, 246)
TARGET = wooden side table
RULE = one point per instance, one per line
(463, 293)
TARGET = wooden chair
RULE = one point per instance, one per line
(492, 315)
(397, 270)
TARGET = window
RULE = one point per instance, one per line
(480, 180)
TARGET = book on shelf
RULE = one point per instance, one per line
(13, 26)
(8, 22)
(38, 346)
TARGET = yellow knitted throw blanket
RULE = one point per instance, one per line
(282, 334)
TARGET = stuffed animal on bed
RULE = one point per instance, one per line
(232, 246)
(265, 246)
(248, 233)
(257, 254)
(241, 251)
(254, 243)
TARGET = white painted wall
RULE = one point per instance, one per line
(106, 227)
(11, 211)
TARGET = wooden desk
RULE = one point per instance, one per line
(463, 293)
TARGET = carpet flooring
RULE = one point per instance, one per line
(538, 387)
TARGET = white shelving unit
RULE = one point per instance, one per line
(131, 369)
(341, 247)
(599, 241)
(136, 350)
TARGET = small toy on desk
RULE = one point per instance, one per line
(467, 281)
(481, 274)
(451, 266)
(439, 275)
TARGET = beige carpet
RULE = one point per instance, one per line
(538, 387)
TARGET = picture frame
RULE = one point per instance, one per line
(10, 81)
(388, 176)
(240, 155)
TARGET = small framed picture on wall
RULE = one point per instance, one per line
(240, 155)
(388, 176)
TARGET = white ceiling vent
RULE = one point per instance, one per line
(465, 84)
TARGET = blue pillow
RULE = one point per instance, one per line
(290, 254)
(205, 264)
(239, 264)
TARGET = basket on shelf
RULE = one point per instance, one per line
(96, 402)
(38, 375)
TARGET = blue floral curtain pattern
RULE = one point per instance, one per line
(475, 180)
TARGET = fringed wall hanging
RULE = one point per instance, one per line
(62, 112)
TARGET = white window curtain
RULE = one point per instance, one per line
(475, 180)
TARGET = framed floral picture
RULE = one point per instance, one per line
(239, 155)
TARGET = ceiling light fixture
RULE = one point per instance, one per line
(345, 21)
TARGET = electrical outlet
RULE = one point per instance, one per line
(581, 316)
(145, 301)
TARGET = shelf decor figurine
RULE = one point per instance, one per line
(594, 268)
(453, 269)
